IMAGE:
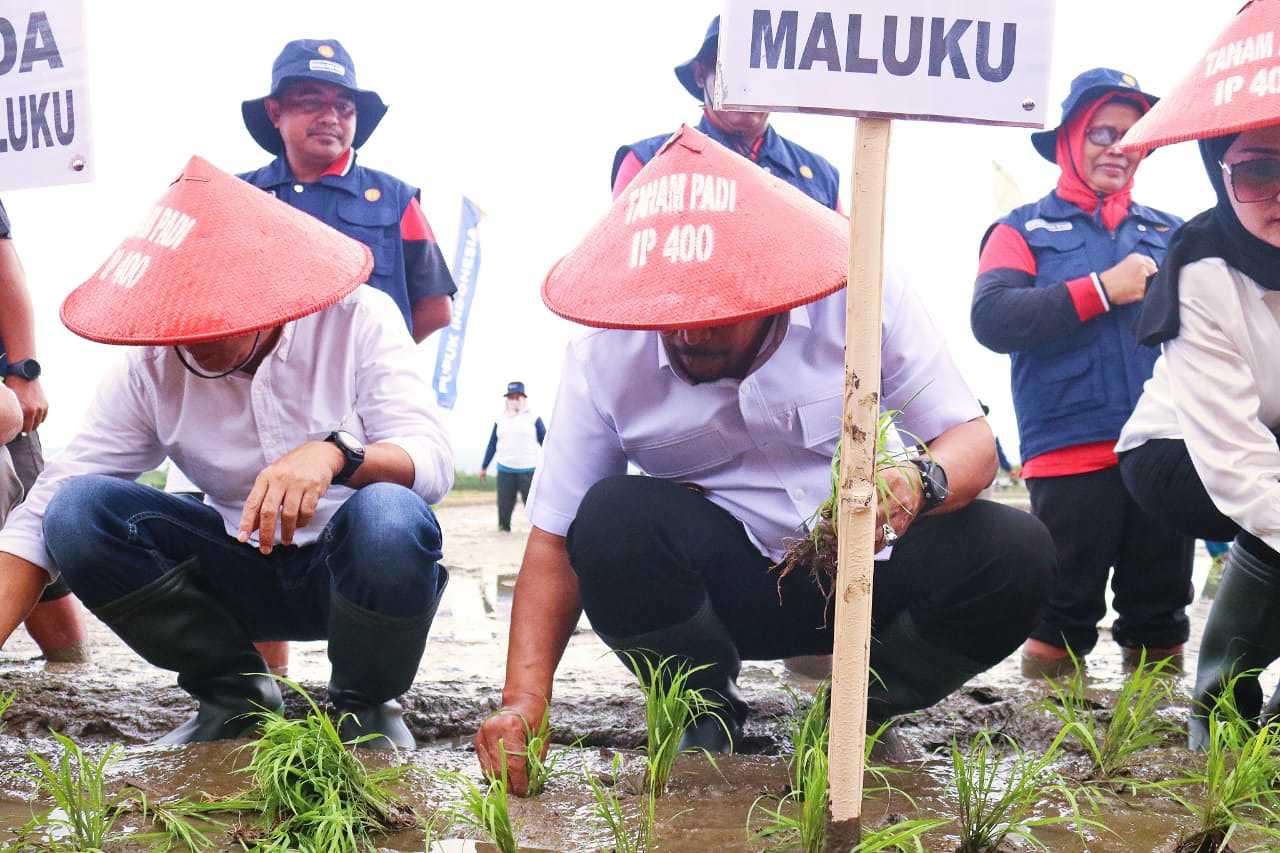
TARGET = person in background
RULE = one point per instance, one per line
(1060, 288)
(747, 133)
(1200, 451)
(55, 623)
(516, 437)
(313, 120)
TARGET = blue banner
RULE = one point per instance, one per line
(466, 267)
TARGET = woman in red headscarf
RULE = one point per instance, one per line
(1060, 288)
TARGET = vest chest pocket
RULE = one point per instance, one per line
(682, 455)
(1060, 255)
(375, 225)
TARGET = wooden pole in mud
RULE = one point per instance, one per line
(857, 496)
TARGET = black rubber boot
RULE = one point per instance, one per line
(375, 659)
(909, 672)
(174, 624)
(1241, 634)
(702, 639)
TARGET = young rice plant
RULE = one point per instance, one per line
(484, 810)
(83, 814)
(613, 819)
(670, 707)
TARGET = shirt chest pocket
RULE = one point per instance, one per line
(1060, 255)
(681, 456)
(820, 421)
(374, 224)
(1154, 244)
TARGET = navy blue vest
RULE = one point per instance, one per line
(364, 204)
(803, 169)
(1082, 388)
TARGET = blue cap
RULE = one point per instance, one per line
(685, 73)
(515, 388)
(1086, 89)
(327, 61)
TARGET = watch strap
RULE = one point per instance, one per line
(353, 459)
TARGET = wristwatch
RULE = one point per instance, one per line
(933, 480)
(352, 451)
(28, 369)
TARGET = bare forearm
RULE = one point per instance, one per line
(383, 463)
(17, 321)
(968, 454)
(543, 614)
(21, 583)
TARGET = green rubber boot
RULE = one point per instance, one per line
(1242, 634)
(375, 659)
(175, 625)
(702, 639)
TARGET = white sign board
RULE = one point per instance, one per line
(44, 94)
(980, 61)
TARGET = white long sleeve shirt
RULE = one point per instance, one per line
(351, 366)
(762, 446)
(1217, 387)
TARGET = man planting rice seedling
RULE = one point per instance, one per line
(717, 368)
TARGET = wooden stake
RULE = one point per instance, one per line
(857, 501)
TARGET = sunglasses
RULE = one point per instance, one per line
(314, 105)
(1253, 181)
(1104, 135)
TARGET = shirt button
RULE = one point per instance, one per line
(797, 494)
(298, 188)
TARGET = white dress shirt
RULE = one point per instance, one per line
(762, 446)
(1217, 386)
(352, 366)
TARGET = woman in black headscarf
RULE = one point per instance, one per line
(1200, 450)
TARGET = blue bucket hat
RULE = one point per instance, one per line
(1085, 89)
(326, 61)
(685, 73)
(515, 388)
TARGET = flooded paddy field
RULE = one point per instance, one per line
(119, 699)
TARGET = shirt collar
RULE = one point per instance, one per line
(769, 149)
(340, 173)
(797, 318)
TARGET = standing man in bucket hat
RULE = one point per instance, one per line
(717, 368)
(292, 398)
(313, 119)
(1060, 287)
(747, 133)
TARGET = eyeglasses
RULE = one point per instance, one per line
(314, 105)
(1254, 180)
(1104, 135)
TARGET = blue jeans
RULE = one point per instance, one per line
(381, 551)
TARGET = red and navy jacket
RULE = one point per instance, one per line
(803, 169)
(1078, 368)
(380, 211)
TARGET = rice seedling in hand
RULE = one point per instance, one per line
(1233, 796)
(540, 760)
(1134, 726)
(999, 796)
(670, 707)
(613, 819)
(84, 813)
(484, 810)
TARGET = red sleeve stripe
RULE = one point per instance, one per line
(1085, 296)
(413, 223)
(629, 168)
(1006, 249)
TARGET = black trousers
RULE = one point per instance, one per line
(1097, 528)
(509, 485)
(1161, 478)
(649, 552)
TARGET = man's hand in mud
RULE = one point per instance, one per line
(288, 490)
(905, 499)
(504, 736)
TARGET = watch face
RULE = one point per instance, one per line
(349, 441)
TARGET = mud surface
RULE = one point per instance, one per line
(119, 699)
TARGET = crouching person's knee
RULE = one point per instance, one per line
(77, 520)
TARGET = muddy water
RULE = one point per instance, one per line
(117, 699)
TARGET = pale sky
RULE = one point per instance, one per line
(521, 106)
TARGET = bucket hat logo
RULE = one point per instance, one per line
(1085, 89)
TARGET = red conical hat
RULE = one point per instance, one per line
(1233, 88)
(216, 257)
(701, 237)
